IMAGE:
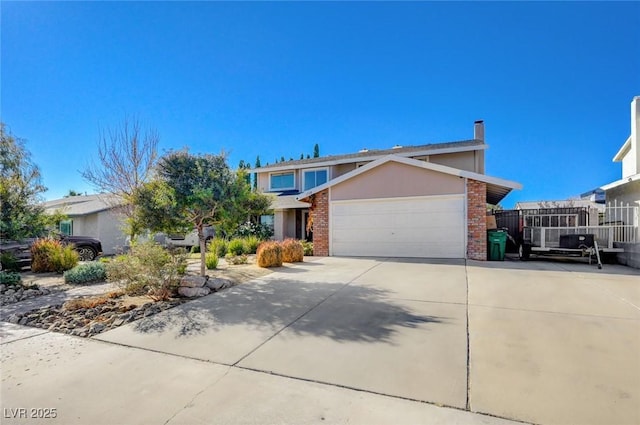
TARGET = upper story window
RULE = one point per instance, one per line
(313, 178)
(281, 181)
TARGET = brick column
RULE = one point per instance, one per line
(320, 214)
(476, 219)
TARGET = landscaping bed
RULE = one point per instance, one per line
(89, 316)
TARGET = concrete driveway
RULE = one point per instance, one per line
(360, 340)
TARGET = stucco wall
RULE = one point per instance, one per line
(627, 193)
(397, 180)
(631, 255)
(104, 226)
(110, 233)
(341, 169)
(460, 160)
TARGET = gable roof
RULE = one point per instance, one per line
(82, 205)
(497, 188)
(373, 154)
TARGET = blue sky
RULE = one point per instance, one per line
(552, 81)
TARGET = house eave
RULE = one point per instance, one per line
(626, 147)
(621, 182)
(368, 158)
(497, 188)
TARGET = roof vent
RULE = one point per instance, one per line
(396, 147)
(363, 150)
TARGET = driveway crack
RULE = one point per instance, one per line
(468, 404)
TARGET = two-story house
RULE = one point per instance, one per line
(412, 201)
(627, 189)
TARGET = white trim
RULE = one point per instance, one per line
(329, 223)
(372, 157)
(271, 189)
(465, 207)
(621, 182)
(626, 147)
(303, 171)
(416, 163)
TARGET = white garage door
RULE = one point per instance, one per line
(431, 227)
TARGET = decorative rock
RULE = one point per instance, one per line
(14, 318)
(217, 283)
(193, 292)
(23, 321)
(96, 328)
(193, 281)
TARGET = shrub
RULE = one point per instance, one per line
(148, 269)
(292, 251)
(64, 259)
(195, 249)
(236, 259)
(308, 248)
(251, 244)
(85, 303)
(86, 273)
(10, 278)
(48, 255)
(236, 247)
(9, 262)
(211, 261)
(259, 230)
(269, 254)
(41, 253)
(219, 246)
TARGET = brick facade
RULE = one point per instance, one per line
(476, 219)
(320, 214)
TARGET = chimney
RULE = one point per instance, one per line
(478, 130)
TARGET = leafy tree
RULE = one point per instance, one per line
(282, 159)
(248, 206)
(20, 189)
(301, 156)
(255, 175)
(316, 151)
(190, 190)
(126, 156)
(72, 193)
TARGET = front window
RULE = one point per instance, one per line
(281, 181)
(66, 227)
(314, 178)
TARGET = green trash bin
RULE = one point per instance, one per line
(496, 244)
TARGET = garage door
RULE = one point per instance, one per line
(431, 227)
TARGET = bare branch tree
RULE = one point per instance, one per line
(126, 156)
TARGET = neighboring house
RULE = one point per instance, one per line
(595, 209)
(623, 196)
(415, 201)
(627, 189)
(92, 215)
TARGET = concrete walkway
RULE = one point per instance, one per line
(356, 340)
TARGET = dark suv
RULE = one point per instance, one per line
(88, 248)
